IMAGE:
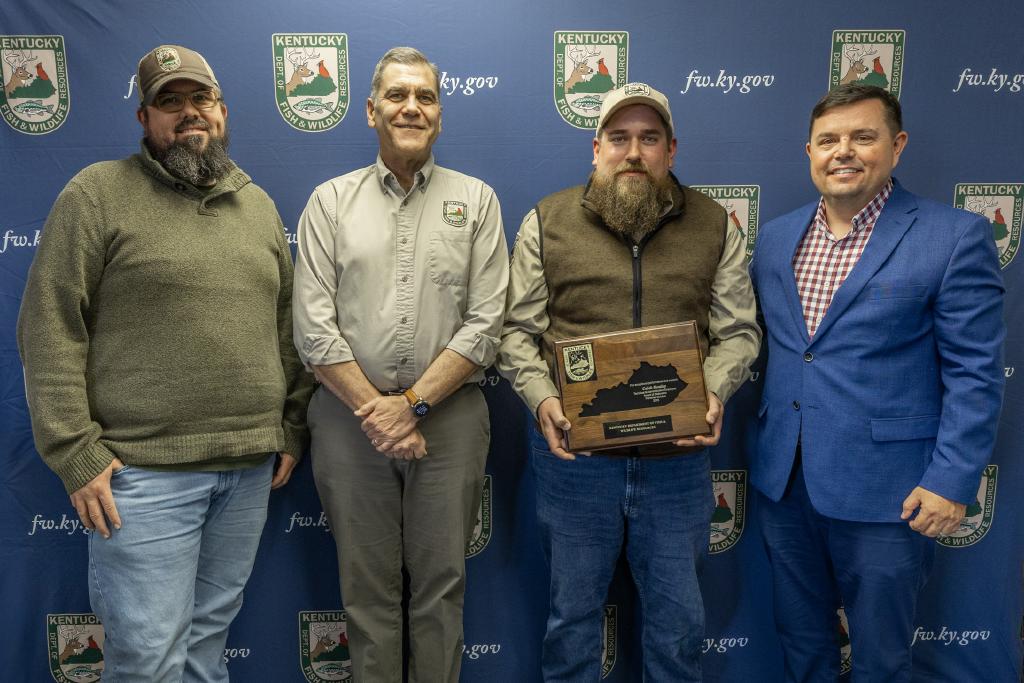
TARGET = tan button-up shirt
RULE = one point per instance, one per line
(390, 278)
(735, 336)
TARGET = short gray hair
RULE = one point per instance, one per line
(402, 55)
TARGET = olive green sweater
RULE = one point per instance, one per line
(156, 325)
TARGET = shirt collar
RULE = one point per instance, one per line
(388, 180)
(865, 217)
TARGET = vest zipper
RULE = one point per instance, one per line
(637, 286)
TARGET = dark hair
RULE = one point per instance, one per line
(851, 93)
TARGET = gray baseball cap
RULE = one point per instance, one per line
(167, 63)
(635, 93)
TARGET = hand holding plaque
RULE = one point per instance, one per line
(633, 387)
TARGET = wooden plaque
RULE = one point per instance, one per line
(633, 387)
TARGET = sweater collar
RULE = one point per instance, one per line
(234, 181)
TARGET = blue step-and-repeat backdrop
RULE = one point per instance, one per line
(522, 82)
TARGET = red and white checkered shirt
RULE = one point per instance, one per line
(822, 262)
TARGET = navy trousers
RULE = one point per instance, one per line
(874, 571)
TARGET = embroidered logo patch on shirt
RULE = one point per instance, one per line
(455, 213)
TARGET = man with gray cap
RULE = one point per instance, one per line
(631, 248)
(155, 331)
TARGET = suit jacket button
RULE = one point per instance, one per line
(796, 405)
(808, 357)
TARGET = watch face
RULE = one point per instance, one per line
(421, 408)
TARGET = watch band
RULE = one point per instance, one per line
(417, 404)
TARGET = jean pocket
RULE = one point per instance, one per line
(120, 470)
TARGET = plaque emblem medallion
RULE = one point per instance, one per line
(579, 363)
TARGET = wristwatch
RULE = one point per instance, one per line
(419, 406)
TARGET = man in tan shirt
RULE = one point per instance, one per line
(631, 248)
(399, 297)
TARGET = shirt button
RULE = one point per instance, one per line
(404, 240)
(796, 405)
(808, 357)
(403, 361)
(405, 278)
(404, 320)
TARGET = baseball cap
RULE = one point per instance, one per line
(635, 93)
(167, 63)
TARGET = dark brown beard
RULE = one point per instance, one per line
(630, 206)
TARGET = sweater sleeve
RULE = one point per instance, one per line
(298, 381)
(53, 337)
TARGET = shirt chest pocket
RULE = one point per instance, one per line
(448, 260)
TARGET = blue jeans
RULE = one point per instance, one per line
(660, 510)
(167, 584)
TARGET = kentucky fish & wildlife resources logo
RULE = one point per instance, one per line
(36, 98)
(74, 643)
(609, 639)
(730, 489)
(741, 204)
(845, 650)
(588, 65)
(578, 361)
(868, 57)
(1002, 204)
(978, 516)
(311, 79)
(323, 646)
(482, 530)
(455, 213)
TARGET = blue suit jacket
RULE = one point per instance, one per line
(902, 383)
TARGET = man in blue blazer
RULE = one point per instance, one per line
(883, 316)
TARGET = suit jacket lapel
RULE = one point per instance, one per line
(790, 245)
(896, 218)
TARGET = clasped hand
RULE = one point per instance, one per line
(390, 426)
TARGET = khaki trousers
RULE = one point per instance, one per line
(388, 513)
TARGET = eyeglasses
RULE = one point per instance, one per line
(170, 102)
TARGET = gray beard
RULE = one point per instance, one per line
(201, 167)
(630, 207)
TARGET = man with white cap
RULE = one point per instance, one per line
(155, 331)
(631, 248)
